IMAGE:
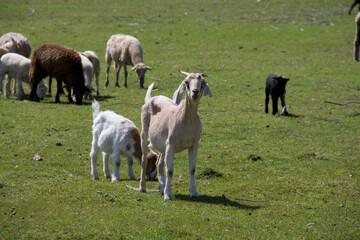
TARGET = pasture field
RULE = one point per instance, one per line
(258, 176)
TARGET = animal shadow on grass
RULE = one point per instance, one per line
(218, 200)
(291, 115)
(103, 97)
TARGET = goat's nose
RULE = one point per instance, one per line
(195, 91)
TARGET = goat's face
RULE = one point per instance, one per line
(195, 85)
(140, 72)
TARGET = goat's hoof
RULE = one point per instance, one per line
(194, 195)
(115, 179)
(168, 197)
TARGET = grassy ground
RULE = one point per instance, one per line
(302, 170)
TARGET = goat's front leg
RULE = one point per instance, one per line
(160, 169)
(274, 103)
(116, 160)
(282, 98)
(169, 168)
(130, 169)
(192, 153)
(106, 168)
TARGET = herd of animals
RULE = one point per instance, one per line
(168, 125)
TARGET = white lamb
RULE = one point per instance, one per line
(115, 135)
(94, 59)
(88, 74)
(172, 126)
(125, 50)
(17, 66)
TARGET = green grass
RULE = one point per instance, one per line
(302, 170)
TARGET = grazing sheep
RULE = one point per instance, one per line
(62, 63)
(88, 74)
(116, 135)
(17, 66)
(172, 126)
(353, 5)
(94, 59)
(14, 43)
(275, 86)
(125, 50)
(91, 65)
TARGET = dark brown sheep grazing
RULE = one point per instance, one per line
(62, 63)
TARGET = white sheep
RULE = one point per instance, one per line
(94, 59)
(172, 126)
(17, 66)
(88, 74)
(115, 135)
(125, 50)
(14, 43)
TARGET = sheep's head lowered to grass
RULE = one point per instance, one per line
(140, 72)
(194, 85)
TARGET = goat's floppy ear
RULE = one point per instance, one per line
(178, 93)
(184, 73)
(207, 91)
(203, 75)
(148, 68)
(134, 68)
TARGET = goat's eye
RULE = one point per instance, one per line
(187, 84)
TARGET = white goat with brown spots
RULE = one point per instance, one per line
(172, 126)
(115, 135)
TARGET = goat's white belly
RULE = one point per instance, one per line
(179, 146)
(158, 144)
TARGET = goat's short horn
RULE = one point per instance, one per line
(183, 73)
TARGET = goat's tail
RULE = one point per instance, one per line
(148, 93)
(96, 106)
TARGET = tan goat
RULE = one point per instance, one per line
(172, 126)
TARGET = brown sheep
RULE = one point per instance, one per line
(62, 63)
